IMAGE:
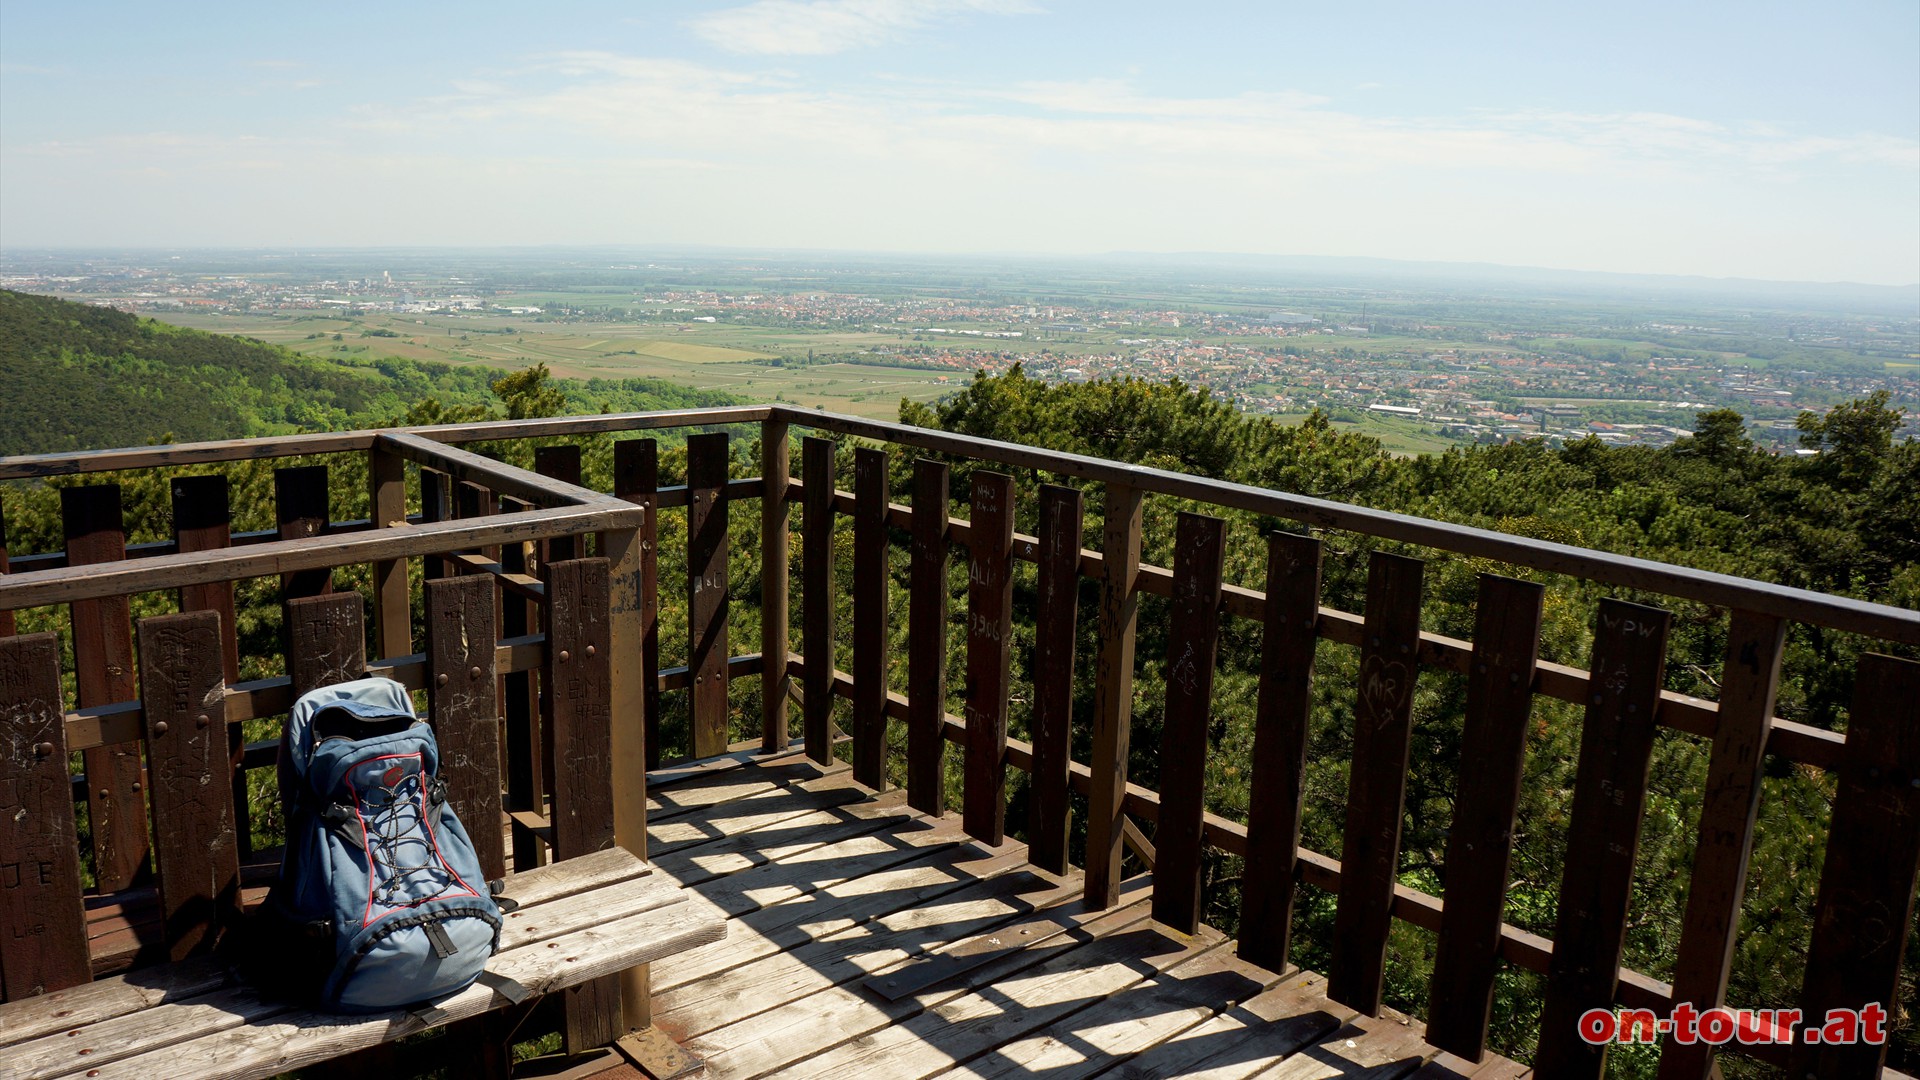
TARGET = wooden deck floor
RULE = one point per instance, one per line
(868, 940)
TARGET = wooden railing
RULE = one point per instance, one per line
(1872, 851)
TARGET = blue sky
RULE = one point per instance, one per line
(1722, 139)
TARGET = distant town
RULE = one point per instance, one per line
(1429, 368)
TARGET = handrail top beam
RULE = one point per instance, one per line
(31, 466)
(1838, 612)
(94, 581)
(1804, 605)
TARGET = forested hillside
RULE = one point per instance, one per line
(80, 377)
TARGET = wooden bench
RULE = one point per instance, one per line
(594, 911)
(577, 920)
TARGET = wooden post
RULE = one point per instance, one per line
(1113, 694)
(392, 595)
(1748, 681)
(300, 509)
(870, 581)
(927, 642)
(103, 673)
(816, 590)
(1055, 618)
(1603, 835)
(183, 702)
(1377, 783)
(1493, 748)
(464, 708)
(435, 505)
(45, 945)
(636, 478)
(579, 703)
(1864, 914)
(1199, 557)
(630, 686)
(989, 655)
(562, 463)
(202, 521)
(707, 650)
(775, 473)
(1283, 716)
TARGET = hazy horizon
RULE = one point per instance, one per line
(1726, 142)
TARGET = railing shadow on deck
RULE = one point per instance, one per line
(480, 517)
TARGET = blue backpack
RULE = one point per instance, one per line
(380, 902)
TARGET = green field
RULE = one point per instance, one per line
(740, 360)
(1400, 437)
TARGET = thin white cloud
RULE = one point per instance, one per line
(600, 146)
(820, 27)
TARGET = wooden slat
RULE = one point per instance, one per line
(527, 764)
(1731, 801)
(817, 599)
(203, 521)
(1864, 914)
(325, 644)
(1257, 1036)
(1199, 555)
(989, 655)
(1284, 715)
(471, 500)
(1121, 1025)
(300, 512)
(707, 590)
(870, 583)
(976, 1024)
(183, 694)
(45, 945)
(1113, 692)
(1603, 833)
(298, 1039)
(562, 463)
(775, 524)
(1377, 783)
(328, 641)
(1055, 619)
(1493, 746)
(927, 641)
(103, 674)
(636, 478)
(576, 672)
(578, 681)
(463, 706)
(392, 597)
(436, 504)
(6, 616)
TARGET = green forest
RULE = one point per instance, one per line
(97, 377)
(1845, 520)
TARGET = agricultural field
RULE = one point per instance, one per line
(743, 360)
